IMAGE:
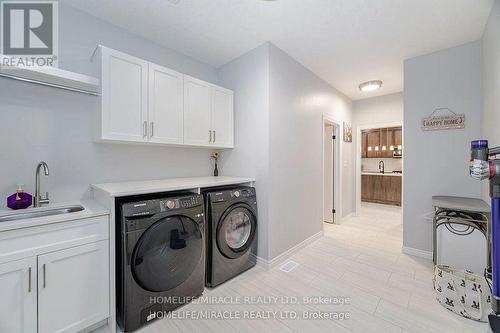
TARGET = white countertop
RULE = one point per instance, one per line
(167, 185)
(92, 209)
(389, 174)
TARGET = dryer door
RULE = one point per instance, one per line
(236, 231)
(167, 253)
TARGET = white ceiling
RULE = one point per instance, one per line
(345, 42)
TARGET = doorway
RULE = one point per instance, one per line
(379, 164)
(331, 172)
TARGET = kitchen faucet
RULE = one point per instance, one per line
(381, 167)
(39, 200)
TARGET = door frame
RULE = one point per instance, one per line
(337, 166)
(358, 156)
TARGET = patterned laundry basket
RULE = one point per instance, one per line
(463, 292)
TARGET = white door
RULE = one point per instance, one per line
(328, 214)
(18, 296)
(166, 105)
(222, 118)
(197, 112)
(73, 288)
(124, 94)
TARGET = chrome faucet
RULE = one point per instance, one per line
(381, 167)
(39, 200)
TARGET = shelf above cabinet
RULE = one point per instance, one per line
(53, 77)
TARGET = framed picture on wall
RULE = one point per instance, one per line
(347, 132)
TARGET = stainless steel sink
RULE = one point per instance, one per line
(40, 212)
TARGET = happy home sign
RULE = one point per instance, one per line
(449, 121)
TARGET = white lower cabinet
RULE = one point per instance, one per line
(18, 296)
(73, 288)
(60, 284)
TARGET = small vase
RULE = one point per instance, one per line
(216, 170)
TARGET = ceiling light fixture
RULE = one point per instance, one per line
(370, 85)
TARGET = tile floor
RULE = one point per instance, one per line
(361, 260)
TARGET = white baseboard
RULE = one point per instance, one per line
(417, 252)
(269, 264)
(345, 218)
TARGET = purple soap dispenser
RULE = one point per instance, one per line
(20, 199)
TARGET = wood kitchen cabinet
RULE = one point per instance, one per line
(380, 137)
(398, 137)
(381, 189)
(373, 140)
(364, 138)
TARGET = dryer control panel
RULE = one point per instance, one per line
(232, 194)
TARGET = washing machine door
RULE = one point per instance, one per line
(236, 231)
(167, 253)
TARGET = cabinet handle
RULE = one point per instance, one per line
(29, 279)
(152, 128)
(44, 267)
(214, 135)
(210, 136)
(145, 129)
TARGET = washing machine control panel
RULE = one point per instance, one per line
(185, 202)
(243, 193)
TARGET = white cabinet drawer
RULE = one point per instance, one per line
(23, 243)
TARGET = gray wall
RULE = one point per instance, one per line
(248, 76)
(41, 123)
(382, 109)
(298, 99)
(491, 82)
(436, 163)
(279, 108)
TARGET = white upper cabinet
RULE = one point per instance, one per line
(73, 288)
(18, 305)
(146, 103)
(222, 118)
(124, 93)
(166, 105)
(197, 112)
(208, 114)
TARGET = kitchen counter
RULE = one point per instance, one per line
(389, 174)
(167, 185)
(92, 209)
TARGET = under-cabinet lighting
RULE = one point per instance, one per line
(391, 147)
(376, 148)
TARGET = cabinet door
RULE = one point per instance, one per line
(166, 104)
(18, 300)
(366, 189)
(398, 137)
(364, 146)
(197, 112)
(373, 139)
(124, 94)
(73, 288)
(222, 118)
